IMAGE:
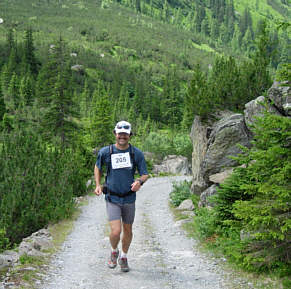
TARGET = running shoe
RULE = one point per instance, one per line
(112, 263)
(123, 264)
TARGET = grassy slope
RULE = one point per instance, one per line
(260, 9)
(130, 38)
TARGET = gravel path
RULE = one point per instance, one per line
(161, 256)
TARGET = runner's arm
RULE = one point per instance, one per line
(97, 176)
(135, 186)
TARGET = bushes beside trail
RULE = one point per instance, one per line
(37, 185)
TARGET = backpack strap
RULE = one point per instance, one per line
(108, 167)
(131, 152)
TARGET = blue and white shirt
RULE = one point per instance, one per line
(121, 174)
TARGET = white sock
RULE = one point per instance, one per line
(123, 255)
(114, 250)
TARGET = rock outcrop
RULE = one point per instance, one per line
(280, 95)
(34, 245)
(172, 164)
(214, 143)
(223, 142)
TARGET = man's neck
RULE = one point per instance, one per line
(126, 146)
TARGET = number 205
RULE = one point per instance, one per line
(121, 160)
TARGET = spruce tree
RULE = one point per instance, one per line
(197, 99)
(56, 98)
(166, 12)
(2, 106)
(205, 29)
(101, 123)
(26, 89)
(84, 100)
(57, 63)
(58, 121)
(259, 74)
(29, 49)
(12, 98)
(10, 41)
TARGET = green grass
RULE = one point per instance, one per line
(260, 9)
(124, 28)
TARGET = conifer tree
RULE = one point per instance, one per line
(224, 84)
(199, 16)
(26, 89)
(12, 97)
(8, 70)
(2, 107)
(236, 39)
(84, 100)
(29, 55)
(205, 29)
(131, 114)
(56, 97)
(10, 41)
(214, 29)
(247, 41)
(57, 64)
(171, 100)
(101, 121)
(138, 6)
(197, 100)
(166, 12)
(259, 77)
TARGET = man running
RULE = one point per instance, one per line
(121, 160)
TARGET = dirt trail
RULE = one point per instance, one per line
(161, 256)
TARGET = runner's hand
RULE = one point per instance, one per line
(135, 186)
(98, 190)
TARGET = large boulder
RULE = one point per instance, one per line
(186, 205)
(219, 178)
(78, 68)
(7, 259)
(172, 164)
(256, 108)
(223, 142)
(280, 94)
(36, 244)
(204, 201)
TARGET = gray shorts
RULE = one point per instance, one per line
(125, 212)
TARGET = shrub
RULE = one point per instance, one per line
(181, 191)
(4, 241)
(205, 223)
(161, 143)
(37, 184)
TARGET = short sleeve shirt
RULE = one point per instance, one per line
(121, 174)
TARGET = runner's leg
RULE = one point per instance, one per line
(126, 237)
(114, 236)
(127, 214)
(114, 218)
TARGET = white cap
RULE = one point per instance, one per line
(123, 126)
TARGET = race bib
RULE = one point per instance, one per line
(120, 161)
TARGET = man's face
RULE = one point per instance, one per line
(122, 138)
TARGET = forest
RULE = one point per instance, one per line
(70, 69)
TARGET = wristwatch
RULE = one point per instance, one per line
(140, 181)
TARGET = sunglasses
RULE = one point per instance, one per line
(123, 126)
